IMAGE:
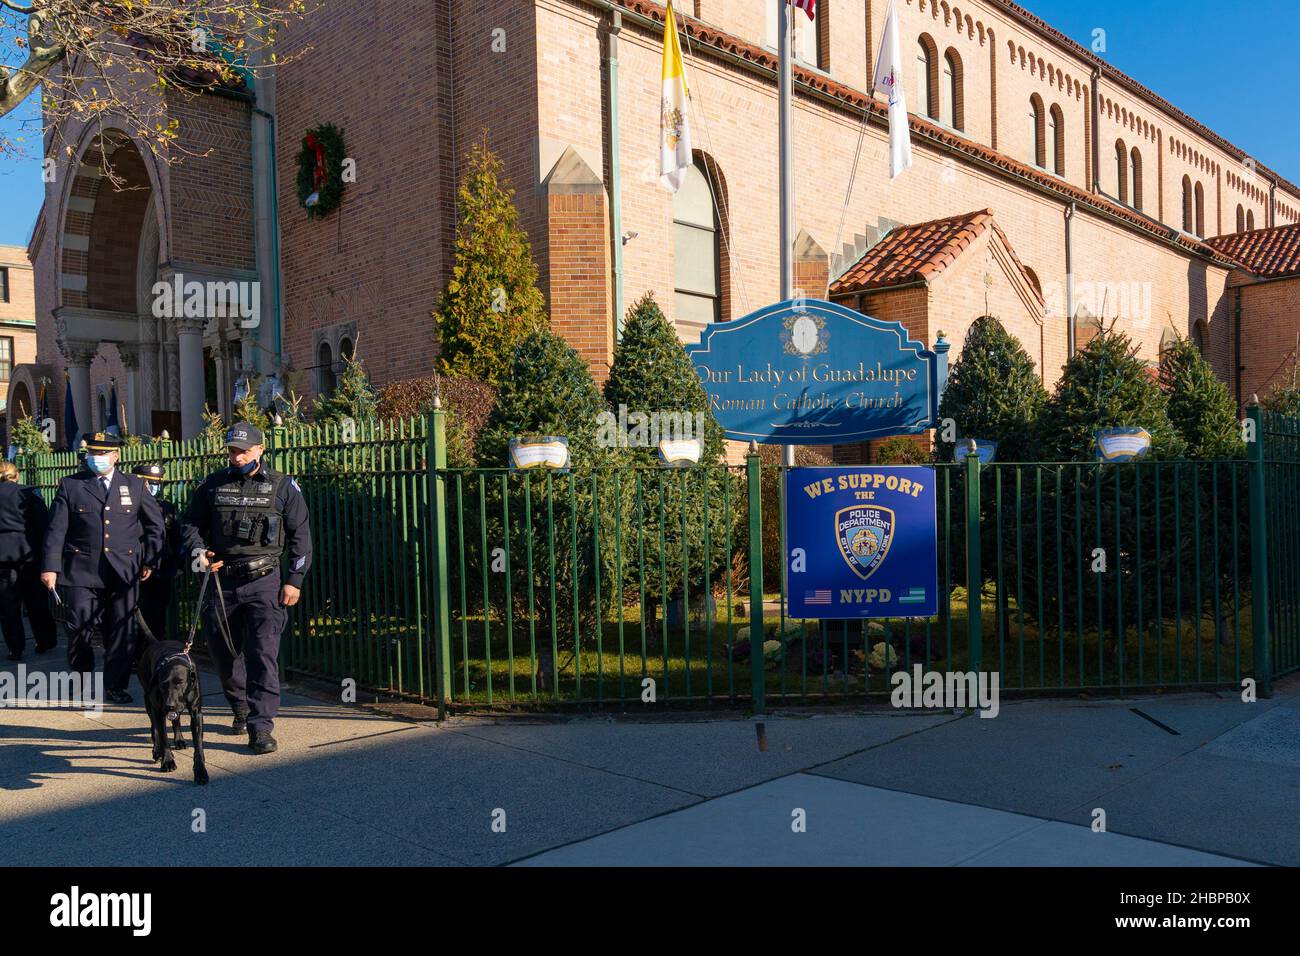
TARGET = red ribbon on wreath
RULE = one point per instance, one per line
(318, 175)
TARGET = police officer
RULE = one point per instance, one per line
(156, 593)
(103, 539)
(23, 516)
(239, 523)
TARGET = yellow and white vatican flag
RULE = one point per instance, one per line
(674, 128)
(889, 80)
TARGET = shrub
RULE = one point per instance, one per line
(491, 302)
(993, 393)
(1200, 407)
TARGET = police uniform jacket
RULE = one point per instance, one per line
(241, 517)
(170, 557)
(23, 516)
(92, 530)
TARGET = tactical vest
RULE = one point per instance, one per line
(245, 520)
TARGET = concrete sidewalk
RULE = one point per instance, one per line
(1194, 779)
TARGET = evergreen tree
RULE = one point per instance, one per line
(492, 301)
(994, 393)
(548, 390)
(27, 435)
(1200, 407)
(1284, 397)
(1105, 385)
(652, 374)
(354, 397)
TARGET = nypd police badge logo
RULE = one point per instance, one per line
(864, 533)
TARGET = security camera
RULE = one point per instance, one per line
(629, 236)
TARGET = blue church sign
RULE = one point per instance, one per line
(807, 372)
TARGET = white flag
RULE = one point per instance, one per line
(889, 80)
(674, 130)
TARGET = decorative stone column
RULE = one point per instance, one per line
(78, 355)
(130, 352)
(147, 396)
(189, 371)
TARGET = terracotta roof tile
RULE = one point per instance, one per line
(913, 253)
(1269, 253)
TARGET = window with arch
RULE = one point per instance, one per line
(697, 242)
(1135, 177)
(1201, 335)
(1250, 219)
(1056, 139)
(1188, 208)
(927, 77)
(1241, 218)
(1037, 120)
(951, 109)
(345, 350)
(325, 379)
(1200, 211)
(1121, 171)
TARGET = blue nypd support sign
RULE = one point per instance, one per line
(862, 542)
(807, 372)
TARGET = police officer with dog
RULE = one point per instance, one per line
(104, 536)
(240, 522)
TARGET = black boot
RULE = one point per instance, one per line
(261, 742)
(241, 723)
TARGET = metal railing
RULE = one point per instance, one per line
(491, 587)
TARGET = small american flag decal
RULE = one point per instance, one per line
(817, 597)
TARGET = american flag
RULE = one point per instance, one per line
(806, 6)
(817, 597)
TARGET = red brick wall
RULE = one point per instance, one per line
(579, 269)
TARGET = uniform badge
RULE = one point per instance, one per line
(864, 533)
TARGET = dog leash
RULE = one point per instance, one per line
(198, 609)
(224, 622)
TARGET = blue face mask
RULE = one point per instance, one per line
(99, 464)
(249, 468)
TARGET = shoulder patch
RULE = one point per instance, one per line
(294, 482)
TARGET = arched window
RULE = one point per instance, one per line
(1135, 171)
(927, 77)
(1056, 137)
(1038, 146)
(1121, 171)
(1188, 209)
(1250, 220)
(696, 253)
(1200, 335)
(951, 107)
(1241, 218)
(345, 349)
(325, 380)
(1200, 211)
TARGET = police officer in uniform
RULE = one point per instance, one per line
(104, 537)
(239, 523)
(156, 593)
(23, 516)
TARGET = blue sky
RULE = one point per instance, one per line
(1189, 51)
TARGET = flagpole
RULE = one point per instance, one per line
(784, 84)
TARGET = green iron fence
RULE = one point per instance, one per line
(491, 587)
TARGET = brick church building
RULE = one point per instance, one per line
(1048, 189)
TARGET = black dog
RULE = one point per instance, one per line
(171, 681)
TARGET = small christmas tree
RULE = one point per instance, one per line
(27, 435)
(354, 397)
(1105, 385)
(492, 301)
(1199, 404)
(994, 392)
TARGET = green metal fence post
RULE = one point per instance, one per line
(436, 463)
(974, 623)
(1259, 559)
(754, 480)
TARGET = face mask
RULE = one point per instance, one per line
(153, 488)
(99, 464)
(248, 468)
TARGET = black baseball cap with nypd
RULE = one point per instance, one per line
(244, 436)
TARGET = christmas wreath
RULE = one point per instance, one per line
(320, 170)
